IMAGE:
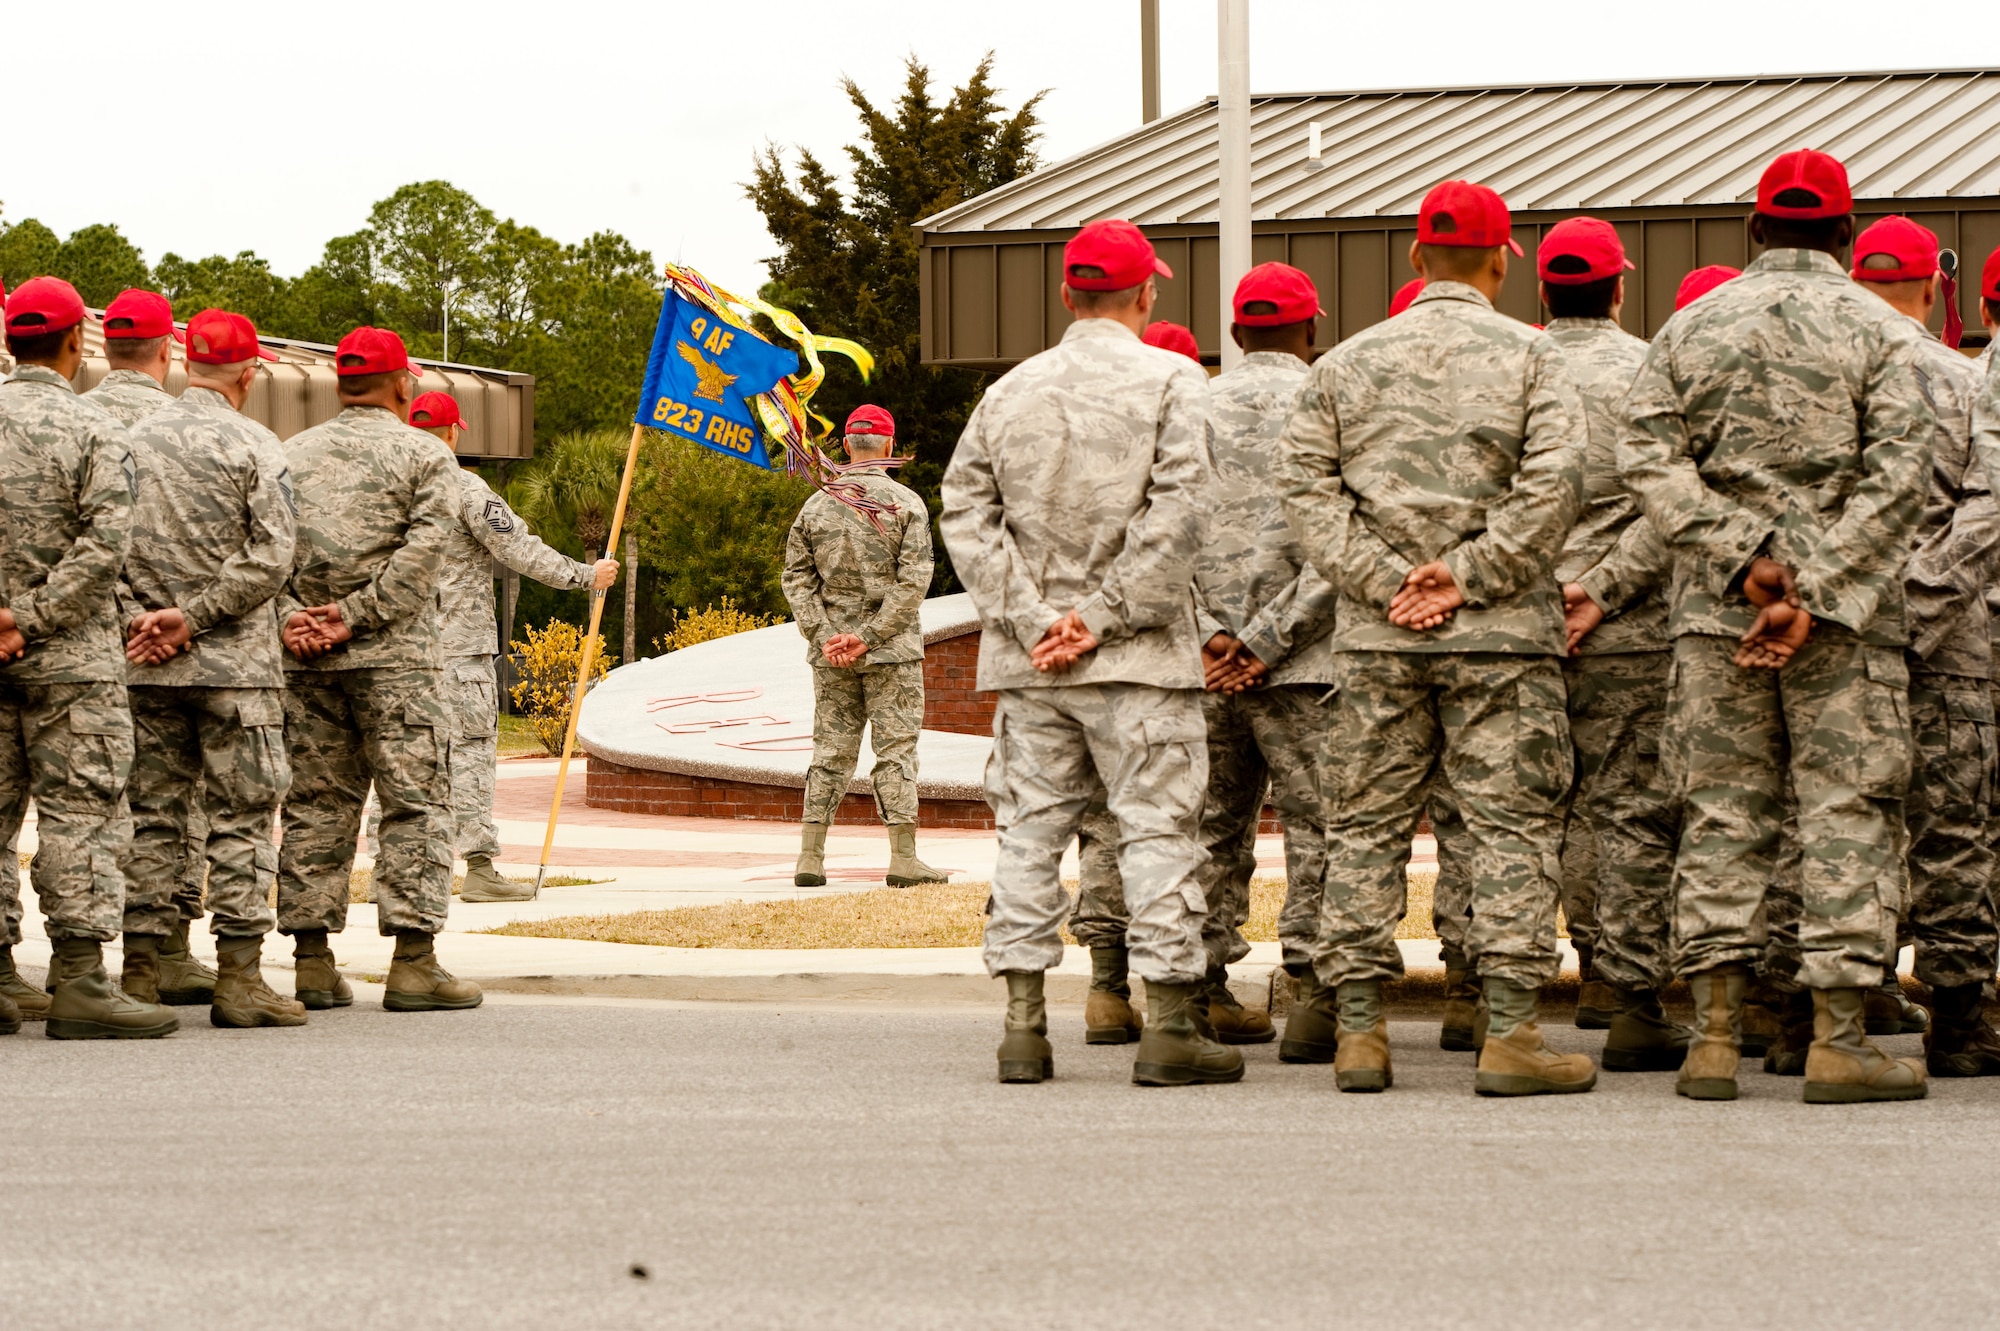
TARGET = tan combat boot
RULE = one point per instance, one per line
(905, 869)
(1312, 1027)
(140, 976)
(484, 883)
(184, 982)
(1763, 1017)
(1960, 1043)
(418, 984)
(1173, 1051)
(1362, 1061)
(1514, 1060)
(1641, 1039)
(1025, 1055)
(316, 979)
(1596, 1000)
(33, 1003)
(1461, 1006)
(1108, 1014)
(1889, 1011)
(811, 871)
(1844, 1065)
(1709, 1070)
(1229, 1019)
(85, 1005)
(1787, 1057)
(242, 999)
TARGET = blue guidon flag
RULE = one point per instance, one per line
(700, 376)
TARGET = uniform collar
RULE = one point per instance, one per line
(1796, 261)
(205, 397)
(1606, 325)
(1446, 289)
(41, 374)
(1102, 328)
(136, 377)
(1280, 358)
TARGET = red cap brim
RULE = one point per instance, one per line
(1515, 246)
(1160, 267)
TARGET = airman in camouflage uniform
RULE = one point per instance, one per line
(66, 490)
(377, 501)
(1073, 510)
(855, 589)
(1613, 572)
(1434, 465)
(213, 535)
(1777, 434)
(487, 530)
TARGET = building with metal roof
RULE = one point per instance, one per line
(1336, 179)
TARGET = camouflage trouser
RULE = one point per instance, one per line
(225, 747)
(1495, 723)
(345, 728)
(1838, 716)
(69, 746)
(1950, 914)
(1577, 888)
(475, 712)
(1451, 897)
(1052, 747)
(1617, 705)
(889, 700)
(189, 893)
(1267, 738)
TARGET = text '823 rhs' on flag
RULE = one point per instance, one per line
(702, 373)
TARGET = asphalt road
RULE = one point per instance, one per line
(564, 1164)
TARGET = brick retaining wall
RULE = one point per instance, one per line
(952, 699)
(608, 785)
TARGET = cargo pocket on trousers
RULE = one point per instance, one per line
(100, 756)
(1969, 736)
(264, 718)
(427, 716)
(1882, 759)
(1544, 761)
(264, 856)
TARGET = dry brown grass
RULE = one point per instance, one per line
(943, 915)
(361, 884)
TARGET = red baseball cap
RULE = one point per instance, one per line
(1406, 296)
(139, 314)
(1281, 285)
(1989, 277)
(868, 419)
(1913, 246)
(434, 411)
(1592, 240)
(1117, 247)
(1702, 281)
(220, 337)
(1171, 337)
(1814, 173)
(371, 351)
(1472, 216)
(43, 305)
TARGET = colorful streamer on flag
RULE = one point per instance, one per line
(785, 410)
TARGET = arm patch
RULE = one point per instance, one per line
(498, 517)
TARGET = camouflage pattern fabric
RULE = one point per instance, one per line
(473, 695)
(1252, 580)
(1449, 432)
(69, 747)
(487, 530)
(346, 728)
(889, 700)
(130, 395)
(1950, 915)
(1576, 884)
(1782, 414)
(1947, 575)
(1080, 484)
(190, 896)
(1051, 747)
(1617, 706)
(66, 486)
(1098, 918)
(844, 576)
(225, 747)
(1838, 716)
(1451, 895)
(1494, 722)
(376, 505)
(1784, 900)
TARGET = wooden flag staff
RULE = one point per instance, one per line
(588, 657)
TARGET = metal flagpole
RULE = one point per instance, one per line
(588, 657)
(1233, 125)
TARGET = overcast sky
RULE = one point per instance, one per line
(643, 117)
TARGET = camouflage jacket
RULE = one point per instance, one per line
(488, 530)
(129, 395)
(1252, 580)
(212, 533)
(1449, 432)
(1986, 455)
(1781, 414)
(66, 488)
(1613, 550)
(1081, 483)
(843, 576)
(375, 508)
(1946, 579)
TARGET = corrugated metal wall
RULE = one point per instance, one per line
(991, 299)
